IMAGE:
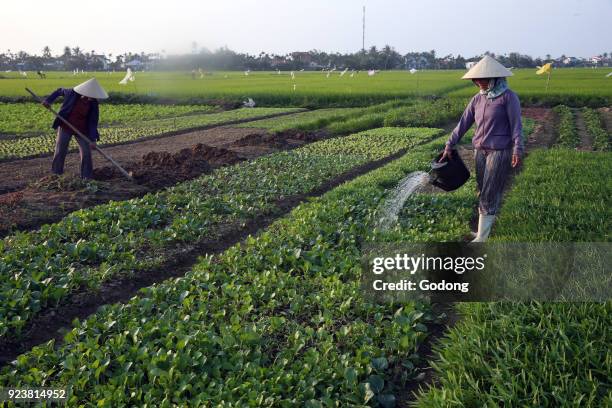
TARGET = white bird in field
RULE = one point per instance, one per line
(201, 73)
(249, 103)
(129, 76)
(371, 72)
(609, 75)
(292, 75)
(247, 72)
(413, 71)
(278, 71)
(344, 72)
(302, 70)
(23, 74)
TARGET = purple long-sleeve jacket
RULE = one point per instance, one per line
(498, 123)
(70, 98)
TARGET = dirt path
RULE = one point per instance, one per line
(48, 325)
(586, 140)
(606, 114)
(50, 198)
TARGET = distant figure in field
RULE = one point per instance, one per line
(41, 74)
(498, 138)
(80, 109)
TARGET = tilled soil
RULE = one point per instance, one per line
(15, 175)
(50, 198)
(586, 140)
(163, 169)
(544, 133)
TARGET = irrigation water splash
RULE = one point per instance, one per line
(392, 206)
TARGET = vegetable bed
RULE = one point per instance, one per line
(594, 126)
(39, 269)
(280, 320)
(23, 119)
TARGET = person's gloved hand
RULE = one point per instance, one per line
(447, 155)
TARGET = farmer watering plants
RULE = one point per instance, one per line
(80, 109)
(497, 140)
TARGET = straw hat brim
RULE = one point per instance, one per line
(91, 89)
(487, 67)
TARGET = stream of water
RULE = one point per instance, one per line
(395, 202)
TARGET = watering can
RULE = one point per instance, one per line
(449, 175)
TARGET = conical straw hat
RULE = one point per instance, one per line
(91, 89)
(487, 67)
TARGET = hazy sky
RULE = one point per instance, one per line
(466, 27)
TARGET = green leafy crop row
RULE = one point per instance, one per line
(39, 269)
(560, 196)
(23, 119)
(280, 320)
(425, 113)
(566, 129)
(311, 120)
(116, 134)
(335, 118)
(601, 138)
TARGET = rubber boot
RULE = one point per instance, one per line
(485, 223)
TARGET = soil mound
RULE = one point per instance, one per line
(257, 139)
(159, 169)
(281, 140)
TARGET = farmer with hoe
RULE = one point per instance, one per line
(498, 140)
(80, 109)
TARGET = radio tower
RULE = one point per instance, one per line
(363, 32)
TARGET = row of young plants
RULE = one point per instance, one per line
(429, 112)
(311, 120)
(41, 268)
(566, 128)
(593, 122)
(279, 320)
(31, 119)
(537, 353)
(117, 134)
(341, 121)
(320, 119)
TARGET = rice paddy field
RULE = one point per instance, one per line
(316, 89)
(228, 272)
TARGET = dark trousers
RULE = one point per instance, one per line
(492, 171)
(61, 149)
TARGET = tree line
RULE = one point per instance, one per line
(226, 59)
